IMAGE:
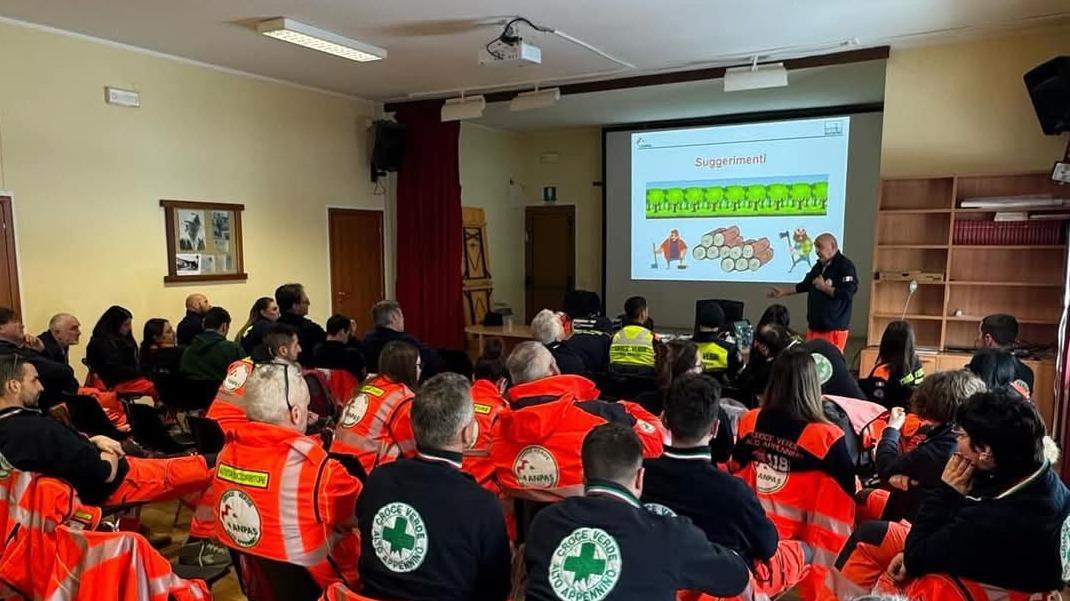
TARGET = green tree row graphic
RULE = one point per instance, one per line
(738, 200)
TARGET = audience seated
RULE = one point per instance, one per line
(56, 377)
(835, 377)
(632, 348)
(339, 350)
(909, 463)
(263, 314)
(718, 353)
(293, 306)
(160, 356)
(64, 331)
(535, 447)
(799, 464)
(415, 546)
(1001, 331)
(192, 322)
(112, 355)
(997, 517)
(547, 328)
(592, 332)
(778, 314)
(280, 495)
(605, 545)
(96, 467)
(490, 379)
(374, 426)
(898, 370)
(207, 357)
(684, 481)
(998, 370)
(390, 326)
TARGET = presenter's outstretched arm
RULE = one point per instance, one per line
(779, 291)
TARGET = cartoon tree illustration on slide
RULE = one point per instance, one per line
(713, 196)
(674, 197)
(800, 193)
(692, 196)
(655, 199)
(735, 195)
(778, 195)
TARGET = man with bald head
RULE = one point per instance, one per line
(64, 331)
(830, 287)
(193, 323)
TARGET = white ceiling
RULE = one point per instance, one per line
(432, 44)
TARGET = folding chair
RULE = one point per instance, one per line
(149, 431)
(89, 418)
(264, 579)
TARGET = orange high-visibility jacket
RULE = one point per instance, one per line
(802, 475)
(489, 404)
(278, 495)
(941, 587)
(228, 407)
(339, 592)
(535, 447)
(375, 425)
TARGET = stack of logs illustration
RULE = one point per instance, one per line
(735, 253)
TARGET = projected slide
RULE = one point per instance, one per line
(736, 203)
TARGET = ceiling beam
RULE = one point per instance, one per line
(658, 79)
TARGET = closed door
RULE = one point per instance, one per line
(356, 240)
(9, 277)
(550, 256)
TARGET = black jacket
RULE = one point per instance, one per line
(428, 532)
(332, 354)
(53, 351)
(568, 362)
(161, 362)
(606, 541)
(376, 339)
(925, 463)
(841, 382)
(33, 442)
(591, 337)
(191, 325)
(823, 312)
(254, 336)
(56, 378)
(309, 335)
(723, 506)
(113, 359)
(1024, 373)
(1010, 539)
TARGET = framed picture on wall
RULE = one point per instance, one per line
(203, 241)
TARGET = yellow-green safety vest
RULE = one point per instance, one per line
(632, 345)
(714, 356)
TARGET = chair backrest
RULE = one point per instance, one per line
(455, 361)
(263, 579)
(149, 431)
(89, 418)
(207, 433)
(616, 386)
(733, 309)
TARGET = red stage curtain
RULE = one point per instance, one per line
(429, 229)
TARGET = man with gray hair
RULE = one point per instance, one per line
(428, 531)
(64, 331)
(536, 446)
(389, 326)
(548, 329)
(277, 493)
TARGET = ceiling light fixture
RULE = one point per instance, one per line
(456, 109)
(535, 99)
(308, 36)
(755, 77)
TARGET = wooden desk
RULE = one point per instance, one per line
(511, 335)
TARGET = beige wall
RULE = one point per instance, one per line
(962, 108)
(87, 177)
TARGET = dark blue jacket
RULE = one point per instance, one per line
(824, 312)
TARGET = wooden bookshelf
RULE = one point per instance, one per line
(915, 232)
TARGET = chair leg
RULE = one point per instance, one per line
(178, 513)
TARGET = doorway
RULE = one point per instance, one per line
(9, 274)
(356, 256)
(549, 256)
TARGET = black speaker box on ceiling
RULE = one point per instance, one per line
(389, 148)
(1049, 88)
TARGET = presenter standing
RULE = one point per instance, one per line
(830, 287)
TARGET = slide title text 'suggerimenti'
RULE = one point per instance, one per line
(722, 162)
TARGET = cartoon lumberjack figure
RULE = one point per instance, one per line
(672, 249)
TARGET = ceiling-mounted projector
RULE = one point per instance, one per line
(755, 77)
(510, 52)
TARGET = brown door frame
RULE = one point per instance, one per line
(530, 211)
(7, 214)
(382, 246)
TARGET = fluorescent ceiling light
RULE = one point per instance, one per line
(755, 77)
(535, 100)
(298, 33)
(470, 107)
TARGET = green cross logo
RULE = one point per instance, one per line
(585, 566)
(399, 537)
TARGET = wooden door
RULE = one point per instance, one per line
(356, 246)
(549, 256)
(9, 276)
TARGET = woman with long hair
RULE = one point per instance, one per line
(997, 368)
(898, 370)
(112, 354)
(264, 312)
(374, 425)
(160, 354)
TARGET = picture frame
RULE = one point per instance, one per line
(204, 241)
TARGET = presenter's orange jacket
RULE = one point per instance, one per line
(804, 478)
(489, 405)
(536, 445)
(375, 425)
(279, 496)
